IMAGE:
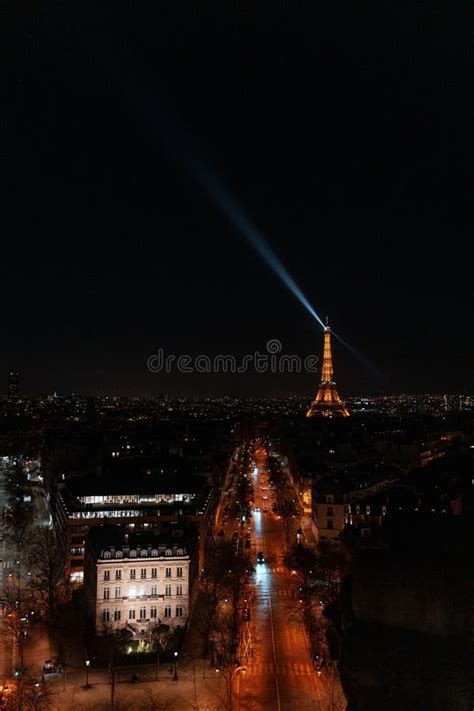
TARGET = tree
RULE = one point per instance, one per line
(46, 560)
(17, 526)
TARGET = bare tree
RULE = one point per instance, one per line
(46, 560)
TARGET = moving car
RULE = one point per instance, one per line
(260, 557)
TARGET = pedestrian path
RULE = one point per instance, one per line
(270, 669)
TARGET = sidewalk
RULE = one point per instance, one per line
(198, 688)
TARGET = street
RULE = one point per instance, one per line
(281, 674)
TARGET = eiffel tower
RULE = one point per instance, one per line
(327, 402)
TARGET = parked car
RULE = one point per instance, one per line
(260, 557)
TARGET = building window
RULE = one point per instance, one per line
(154, 572)
(154, 590)
(143, 554)
(118, 575)
(154, 553)
(330, 511)
(132, 592)
(330, 523)
(168, 552)
(105, 615)
(167, 590)
(117, 593)
(329, 498)
(117, 615)
(133, 554)
(168, 572)
(131, 614)
(153, 612)
(179, 610)
(167, 610)
(106, 574)
(106, 593)
(133, 573)
(179, 572)
(119, 554)
(142, 613)
(107, 554)
(180, 551)
(179, 590)
(143, 573)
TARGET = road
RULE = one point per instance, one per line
(280, 675)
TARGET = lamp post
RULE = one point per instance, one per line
(175, 675)
(88, 663)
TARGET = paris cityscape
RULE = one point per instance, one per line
(236, 392)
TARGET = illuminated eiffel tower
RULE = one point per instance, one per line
(327, 402)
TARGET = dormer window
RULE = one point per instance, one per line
(180, 551)
(107, 554)
(133, 554)
(119, 554)
(168, 552)
(143, 553)
(154, 552)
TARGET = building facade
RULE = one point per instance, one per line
(138, 580)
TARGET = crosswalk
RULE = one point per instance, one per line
(271, 669)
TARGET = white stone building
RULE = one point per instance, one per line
(136, 580)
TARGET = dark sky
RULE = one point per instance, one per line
(344, 129)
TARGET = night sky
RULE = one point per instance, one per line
(343, 129)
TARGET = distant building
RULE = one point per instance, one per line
(13, 385)
(136, 580)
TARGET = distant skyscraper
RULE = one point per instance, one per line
(13, 380)
(327, 402)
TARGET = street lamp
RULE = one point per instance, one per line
(88, 663)
(175, 675)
